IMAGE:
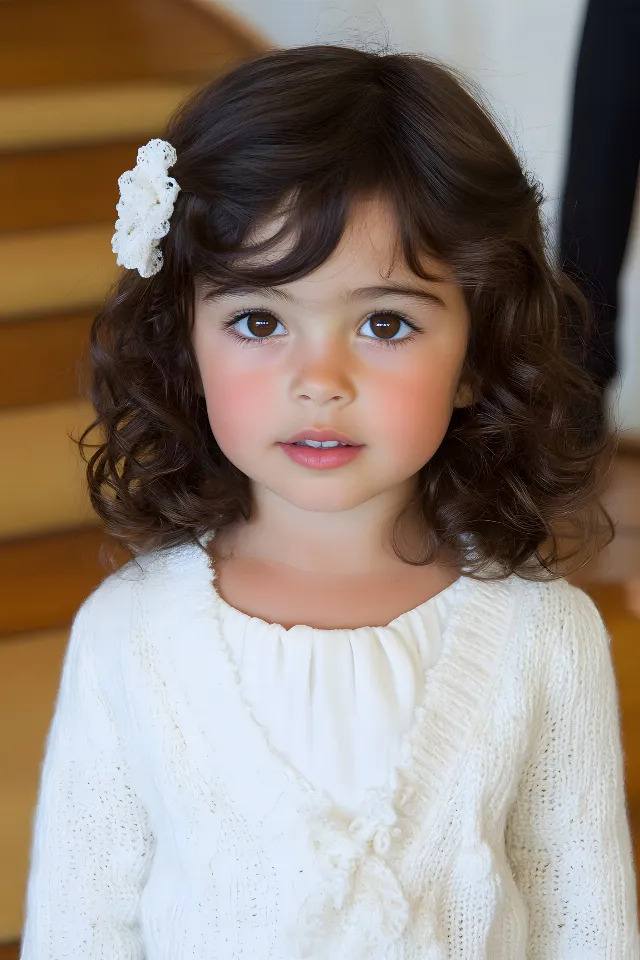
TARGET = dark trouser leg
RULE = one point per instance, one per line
(602, 172)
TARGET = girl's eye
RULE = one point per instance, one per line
(264, 326)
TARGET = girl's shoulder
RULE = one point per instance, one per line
(146, 570)
(561, 632)
(543, 595)
(146, 585)
(558, 600)
(133, 597)
(112, 604)
(550, 617)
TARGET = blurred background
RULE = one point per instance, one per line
(82, 86)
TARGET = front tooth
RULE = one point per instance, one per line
(322, 443)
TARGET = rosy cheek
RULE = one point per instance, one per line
(239, 408)
(412, 415)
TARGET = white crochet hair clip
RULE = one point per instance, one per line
(147, 198)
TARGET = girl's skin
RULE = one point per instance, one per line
(326, 365)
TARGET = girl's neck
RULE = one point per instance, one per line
(240, 544)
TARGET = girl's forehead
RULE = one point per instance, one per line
(368, 254)
(370, 222)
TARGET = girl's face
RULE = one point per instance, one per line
(323, 363)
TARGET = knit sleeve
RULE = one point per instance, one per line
(567, 835)
(91, 840)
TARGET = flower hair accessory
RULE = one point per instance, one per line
(147, 197)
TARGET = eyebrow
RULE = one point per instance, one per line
(390, 290)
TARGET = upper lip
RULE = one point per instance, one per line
(310, 434)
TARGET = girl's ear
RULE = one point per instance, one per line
(464, 396)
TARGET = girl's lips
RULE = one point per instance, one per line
(319, 458)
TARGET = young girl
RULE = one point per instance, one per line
(340, 703)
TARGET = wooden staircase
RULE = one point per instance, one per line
(82, 86)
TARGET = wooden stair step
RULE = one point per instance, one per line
(59, 569)
(64, 187)
(45, 488)
(72, 42)
(41, 360)
(31, 119)
(55, 270)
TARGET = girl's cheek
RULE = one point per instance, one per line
(413, 415)
(239, 409)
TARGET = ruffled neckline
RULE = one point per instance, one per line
(356, 854)
(245, 619)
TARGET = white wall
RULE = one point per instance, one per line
(523, 54)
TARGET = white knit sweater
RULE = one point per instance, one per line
(169, 826)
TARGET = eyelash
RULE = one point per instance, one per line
(246, 341)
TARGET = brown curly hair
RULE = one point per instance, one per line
(310, 131)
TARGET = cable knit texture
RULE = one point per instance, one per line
(169, 824)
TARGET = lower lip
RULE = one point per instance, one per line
(319, 458)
